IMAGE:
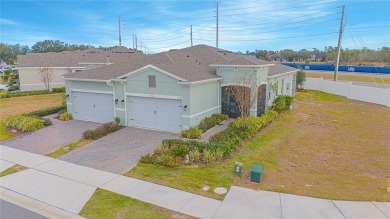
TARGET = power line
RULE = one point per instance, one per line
(168, 39)
(270, 39)
(169, 46)
(224, 15)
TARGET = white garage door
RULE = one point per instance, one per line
(93, 107)
(155, 113)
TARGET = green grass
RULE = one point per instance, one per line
(19, 105)
(106, 204)
(11, 170)
(70, 147)
(327, 146)
(3, 134)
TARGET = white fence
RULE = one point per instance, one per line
(347, 89)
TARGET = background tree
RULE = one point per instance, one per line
(301, 77)
(48, 46)
(45, 75)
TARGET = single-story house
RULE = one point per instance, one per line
(62, 63)
(173, 90)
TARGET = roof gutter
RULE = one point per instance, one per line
(200, 82)
(83, 79)
(286, 73)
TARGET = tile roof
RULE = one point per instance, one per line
(191, 64)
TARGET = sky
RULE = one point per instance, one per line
(161, 25)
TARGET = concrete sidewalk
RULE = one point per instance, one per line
(248, 203)
(68, 187)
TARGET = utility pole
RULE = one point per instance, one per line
(191, 35)
(119, 28)
(133, 43)
(136, 42)
(336, 71)
(216, 26)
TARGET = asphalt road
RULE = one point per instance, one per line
(9, 210)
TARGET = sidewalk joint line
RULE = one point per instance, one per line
(338, 208)
(379, 210)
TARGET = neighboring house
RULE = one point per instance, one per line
(173, 90)
(65, 62)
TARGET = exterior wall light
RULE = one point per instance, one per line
(67, 96)
(185, 107)
(116, 101)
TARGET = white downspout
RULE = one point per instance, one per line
(125, 98)
(110, 83)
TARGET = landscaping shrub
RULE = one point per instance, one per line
(101, 131)
(66, 117)
(194, 155)
(47, 111)
(171, 142)
(46, 121)
(209, 122)
(24, 123)
(196, 145)
(179, 151)
(192, 133)
(282, 103)
(19, 94)
(59, 90)
(62, 111)
(218, 154)
(117, 120)
(4, 94)
(148, 159)
(168, 161)
(208, 156)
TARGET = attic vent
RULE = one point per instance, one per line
(196, 60)
(188, 56)
(224, 53)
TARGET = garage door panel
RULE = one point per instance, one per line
(93, 106)
(155, 113)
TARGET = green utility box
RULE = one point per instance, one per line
(256, 173)
(238, 168)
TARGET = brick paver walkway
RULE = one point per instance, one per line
(52, 137)
(215, 130)
(119, 151)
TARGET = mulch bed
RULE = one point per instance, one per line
(16, 132)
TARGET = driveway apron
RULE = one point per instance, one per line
(52, 137)
(119, 151)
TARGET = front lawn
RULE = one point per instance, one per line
(19, 105)
(106, 204)
(326, 146)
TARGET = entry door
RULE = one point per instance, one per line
(155, 113)
(93, 106)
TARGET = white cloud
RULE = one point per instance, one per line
(6, 22)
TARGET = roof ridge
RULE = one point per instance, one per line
(246, 57)
(169, 57)
(208, 47)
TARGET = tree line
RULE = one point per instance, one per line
(381, 56)
(328, 54)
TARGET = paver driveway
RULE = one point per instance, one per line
(119, 151)
(52, 137)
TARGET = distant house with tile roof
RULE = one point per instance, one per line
(175, 90)
(65, 62)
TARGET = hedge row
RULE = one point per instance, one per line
(5, 94)
(173, 152)
(206, 124)
(101, 131)
(58, 90)
(46, 111)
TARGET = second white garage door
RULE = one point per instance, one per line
(155, 113)
(93, 106)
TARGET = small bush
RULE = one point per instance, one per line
(192, 133)
(62, 111)
(101, 131)
(207, 123)
(218, 154)
(4, 94)
(179, 151)
(220, 117)
(47, 111)
(59, 90)
(194, 155)
(117, 120)
(66, 117)
(46, 121)
(91, 134)
(208, 156)
(24, 123)
(282, 103)
(148, 159)
(171, 142)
